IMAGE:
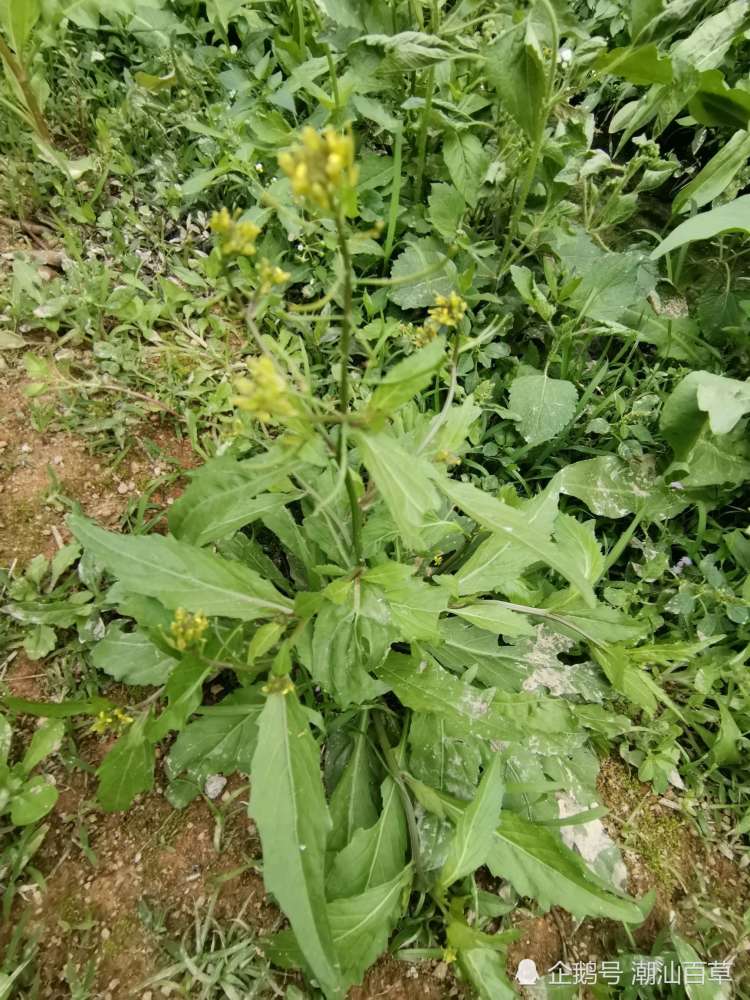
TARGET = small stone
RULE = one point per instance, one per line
(214, 786)
(25, 448)
(122, 488)
(106, 933)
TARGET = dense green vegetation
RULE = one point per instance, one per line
(450, 300)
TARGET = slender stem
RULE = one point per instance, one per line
(422, 137)
(346, 340)
(440, 418)
(395, 195)
(32, 105)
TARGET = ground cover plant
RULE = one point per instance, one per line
(395, 356)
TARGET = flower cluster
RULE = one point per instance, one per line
(265, 394)
(270, 276)
(321, 167)
(116, 719)
(235, 237)
(187, 629)
(448, 310)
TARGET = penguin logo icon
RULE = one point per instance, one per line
(526, 974)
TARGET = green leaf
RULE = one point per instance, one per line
(467, 161)
(411, 50)
(414, 604)
(475, 828)
(184, 691)
(642, 13)
(515, 68)
(537, 864)
(626, 677)
(642, 66)
(131, 657)
(407, 378)
(180, 575)
(375, 855)
(18, 17)
(228, 495)
(362, 924)
(467, 709)
(531, 293)
(45, 741)
(691, 960)
(716, 175)
(128, 768)
(443, 762)
(729, 218)
(404, 481)
(422, 273)
(542, 405)
(509, 523)
(32, 802)
(352, 805)
(446, 210)
(40, 641)
(499, 561)
(289, 808)
(223, 739)
(6, 737)
(726, 749)
(495, 617)
(609, 486)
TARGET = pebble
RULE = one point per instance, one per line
(25, 448)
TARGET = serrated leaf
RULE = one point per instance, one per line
(539, 865)
(404, 482)
(544, 406)
(423, 273)
(509, 523)
(289, 808)
(467, 161)
(475, 829)
(223, 739)
(127, 770)
(407, 378)
(131, 657)
(180, 575)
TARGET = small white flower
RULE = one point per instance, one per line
(300, 247)
(565, 56)
(259, 167)
(233, 49)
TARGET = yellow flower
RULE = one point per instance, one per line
(321, 167)
(422, 335)
(235, 237)
(278, 685)
(187, 629)
(448, 310)
(447, 457)
(117, 719)
(266, 393)
(270, 275)
(449, 955)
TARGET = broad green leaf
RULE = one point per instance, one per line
(227, 495)
(407, 378)
(127, 770)
(17, 18)
(642, 13)
(642, 65)
(375, 855)
(509, 523)
(446, 210)
(131, 657)
(46, 740)
(462, 647)
(32, 802)
(422, 273)
(730, 218)
(181, 575)
(697, 985)
(404, 481)
(222, 739)
(361, 925)
(531, 293)
(289, 808)
(352, 805)
(184, 691)
(515, 68)
(609, 486)
(537, 864)
(468, 709)
(413, 604)
(467, 161)
(444, 762)
(542, 405)
(411, 50)
(40, 641)
(347, 644)
(495, 617)
(499, 561)
(578, 541)
(475, 828)
(716, 175)
(727, 747)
